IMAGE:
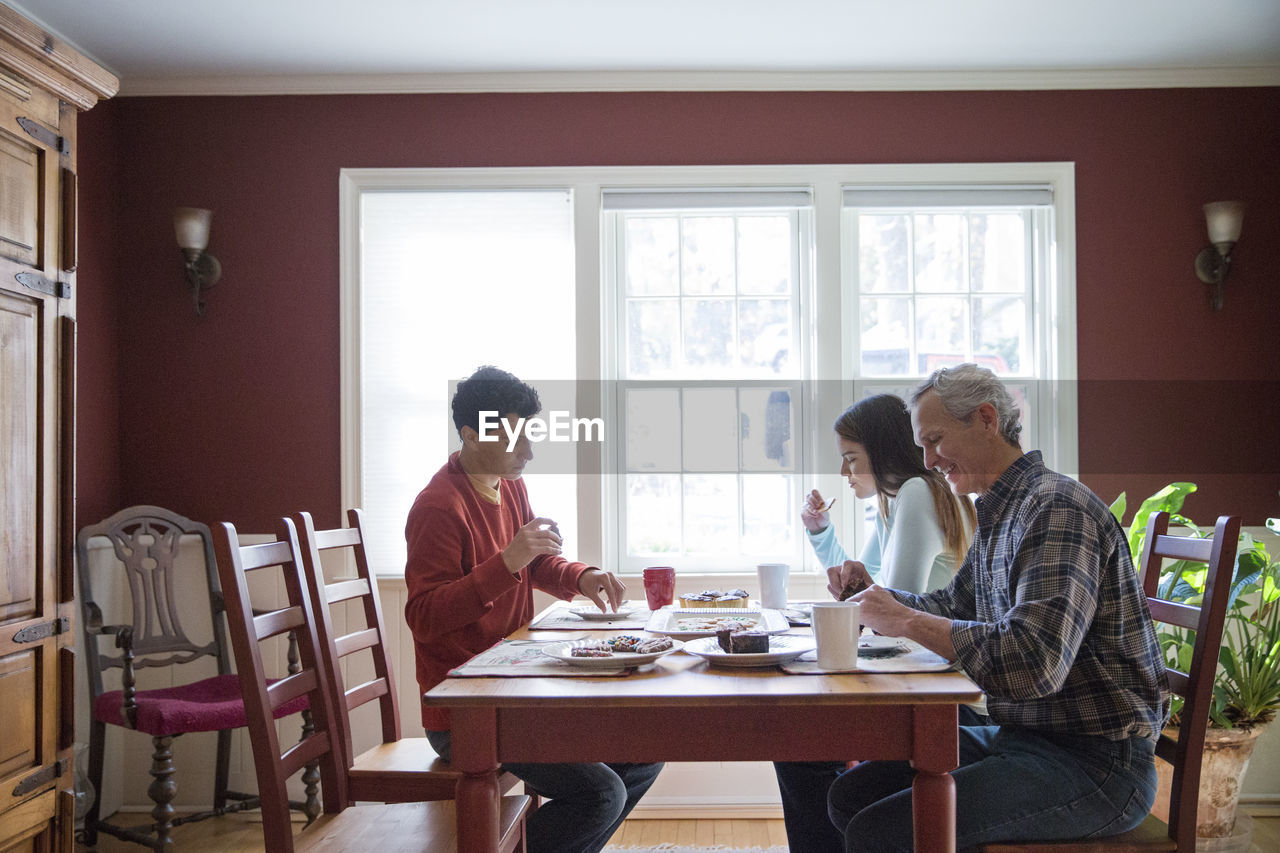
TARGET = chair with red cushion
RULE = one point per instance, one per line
(204, 695)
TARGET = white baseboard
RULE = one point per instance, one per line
(706, 810)
(1261, 805)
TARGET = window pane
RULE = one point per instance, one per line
(653, 247)
(939, 252)
(766, 528)
(651, 336)
(883, 247)
(708, 335)
(653, 429)
(999, 333)
(711, 513)
(997, 252)
(707, 254)
(940, 332)
(710, 429)
(764, 328)
(886, 336)
(653, 513)
(764, 254)
(768, 425)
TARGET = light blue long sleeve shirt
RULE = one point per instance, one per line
(906, 551)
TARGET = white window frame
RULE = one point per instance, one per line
(831, 354)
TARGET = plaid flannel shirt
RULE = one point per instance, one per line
(1049, 616)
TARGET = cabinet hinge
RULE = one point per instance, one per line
(35, 281)
(41, 777)
(45, 135)
(38, 632)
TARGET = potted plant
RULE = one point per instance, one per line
(1246, 693)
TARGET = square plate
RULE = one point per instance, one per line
(695, 622)
(781, 650)
(563, 652)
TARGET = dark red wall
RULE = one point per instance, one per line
(235, 416)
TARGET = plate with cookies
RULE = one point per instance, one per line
(612, 652)
(687, 624)
(749, 648)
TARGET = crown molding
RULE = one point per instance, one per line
(704, 81)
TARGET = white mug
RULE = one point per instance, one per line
(835, 627)
(773, 584)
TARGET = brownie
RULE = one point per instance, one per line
(739, 642)
(852, 588)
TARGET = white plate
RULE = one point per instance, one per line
(668, 621)
(781, 650)
(593, 614)
(562, 652)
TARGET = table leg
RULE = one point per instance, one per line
(933, 793)
(475, 753)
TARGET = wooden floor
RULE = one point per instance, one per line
(242, 833)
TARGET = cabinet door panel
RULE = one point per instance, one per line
(20, 447)
(19, 199)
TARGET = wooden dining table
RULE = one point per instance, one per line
(682, 708)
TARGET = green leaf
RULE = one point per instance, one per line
(1169, 499)
(1118, 507)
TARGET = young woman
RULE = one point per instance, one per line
(921, 534)
(922, 530)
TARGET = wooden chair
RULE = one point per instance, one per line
(406, 826)
(398, 769)
(145, 542)
(1195, 686)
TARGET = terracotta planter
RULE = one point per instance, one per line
(1226, 759)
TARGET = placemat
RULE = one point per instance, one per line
(915, 659)
(514, 658)
(560, 617)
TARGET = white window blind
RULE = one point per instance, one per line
(990, 195)
(756, 198)
(451, 280)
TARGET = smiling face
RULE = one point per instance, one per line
(490, 460)
(855, 466)
(970, 454)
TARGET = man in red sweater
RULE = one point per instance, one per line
(476, 552)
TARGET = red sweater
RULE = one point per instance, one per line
(461, 597)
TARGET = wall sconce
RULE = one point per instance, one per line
(1213, 262)
(191, 226)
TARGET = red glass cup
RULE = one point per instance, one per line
(659, 586)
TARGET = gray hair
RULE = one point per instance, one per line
(965, 387)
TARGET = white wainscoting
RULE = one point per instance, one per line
(704, 789)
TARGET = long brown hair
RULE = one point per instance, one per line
(882, 425)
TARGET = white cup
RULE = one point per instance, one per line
(835, 627)
(773, 584)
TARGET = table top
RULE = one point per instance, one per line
(684, 680)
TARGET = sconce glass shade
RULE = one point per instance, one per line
(1224, 219)
(191, 227)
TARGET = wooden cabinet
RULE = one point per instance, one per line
(43, 85)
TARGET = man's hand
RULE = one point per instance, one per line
(536, 538)
(593, 582)
(839, 578)
(884, 614)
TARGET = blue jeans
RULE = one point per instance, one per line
(804, 786)
(585, 803)
(1013, 784)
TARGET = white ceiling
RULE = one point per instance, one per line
(202, 46)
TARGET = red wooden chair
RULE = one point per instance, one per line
(1195, 686)
(145, 541)
(398, 769)
(430, 826)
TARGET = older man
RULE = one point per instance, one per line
(1048, 617)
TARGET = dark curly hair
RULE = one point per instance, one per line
(491, 389)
